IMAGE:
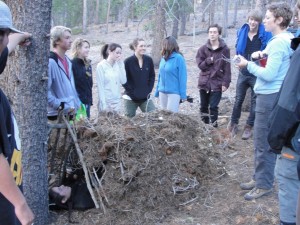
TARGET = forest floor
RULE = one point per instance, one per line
(222, 201)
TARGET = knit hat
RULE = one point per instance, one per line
(6, 18)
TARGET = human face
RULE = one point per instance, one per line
(253, 24)
(83, 52)
(297, 17)
(65, 41)
(140, 49)
(3, 39)
(271, 23)
(64, 191)
(213, 34)
(116, 54)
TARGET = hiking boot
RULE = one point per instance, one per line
(248, 186)
(247, 132)
(233, 128)
(256, 193)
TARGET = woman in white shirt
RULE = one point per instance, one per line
(110, 75)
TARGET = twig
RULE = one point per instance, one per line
(185, 203)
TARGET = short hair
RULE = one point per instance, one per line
(77, 44)
(281, 10)
(298, 4)
(256, 15)
(56, 33)
(169, 45)
(216, 26)
(111, 47)
(135, 43)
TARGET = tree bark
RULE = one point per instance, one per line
(158, 31)
(225, 18)
(25, 84)
(84, 17)
(175, 21)
(107, 15)
(97, 12)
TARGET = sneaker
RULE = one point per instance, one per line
(248, 186)
(233, 128)
(247, 132)
(256, 193)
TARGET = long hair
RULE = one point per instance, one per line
(169, 46)
(111, 47)
(135, 43)
(76, 46)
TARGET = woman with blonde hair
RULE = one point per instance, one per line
(82, 71)
(110, 75)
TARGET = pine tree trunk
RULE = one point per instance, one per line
(158, 31)
(84, 17)
(25, 85)
(107, 15)
(97, 12)
(225, 18)
(175, 21)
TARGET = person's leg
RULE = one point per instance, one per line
(88, 110)
(251, 117)
(147, 106)
(204, 100)
(173, 102)
(241, 90)
(288, 185)
(298, 210)
(163, 100)
(130, 108)
(214, 100)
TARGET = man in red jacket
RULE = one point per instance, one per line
(215, 74)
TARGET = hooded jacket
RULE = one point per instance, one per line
(214, 73)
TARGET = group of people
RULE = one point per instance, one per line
(267, 61)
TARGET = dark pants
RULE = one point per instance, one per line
(242, 85)
(209, 100)
(88, 110)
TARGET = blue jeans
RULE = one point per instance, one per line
(211, 100)
(242, 85)
(131, 107)
(288, 184)
(264, 160)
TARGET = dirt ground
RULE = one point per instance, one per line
(219, 202)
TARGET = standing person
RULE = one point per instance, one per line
(82, 70)
(140, 79)
(14, 209)
(172, 77)
(110, 75)
(251, 37)
(215, 74)
(284, 138)
(268, 82)
(62, 93)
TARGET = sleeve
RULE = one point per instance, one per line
(3, 59)
(52, 100)
(151, 76)
(203, 61)
(227, 70)
(123, 78)
(3, 132)
(182, 72)
(100, 84)
(276, 54)
(156, 94)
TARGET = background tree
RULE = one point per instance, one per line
(25, 83)
(158, 30)
(84, 17)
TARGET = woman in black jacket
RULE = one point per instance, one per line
(140, 80)
(82, 71)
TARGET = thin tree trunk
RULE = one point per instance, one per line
(175, 21)
(158, 31)
(97, 12)
(107, 16)
(225, 18)
(84, 17)
(236, 2)
(25, 84)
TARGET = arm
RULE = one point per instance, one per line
(52, 100)
(100, 84)
(204, 61)
(123, 78)
(17, 39)
(182, 73)
(13, 194)
(151, 75)
(227, 71)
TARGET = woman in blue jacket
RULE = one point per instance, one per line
(172, 77)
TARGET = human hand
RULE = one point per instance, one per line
(224, 88)
(24, 214)
(242, 62)
(257, 55)
(25, 41)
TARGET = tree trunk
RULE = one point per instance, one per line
(97, 12)
(126, 12)
(158, 31)
(84, 17)
(225, 18)
(236, 2)
(212, 13)
(25, 84)
(261, 5)
(107, 16)
(175, 21)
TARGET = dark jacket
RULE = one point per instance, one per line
(217, 73)
(140, 81)
(285, 117)
(83, 80)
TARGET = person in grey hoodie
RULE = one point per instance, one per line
(62, 93)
